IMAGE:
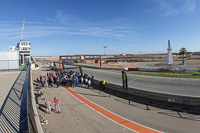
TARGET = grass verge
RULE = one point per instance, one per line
(195, 75)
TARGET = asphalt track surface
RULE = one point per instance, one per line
(178, 86)
(79, 115)
(175, 86)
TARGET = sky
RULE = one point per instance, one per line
(74, 27)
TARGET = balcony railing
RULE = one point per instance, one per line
(25, 49)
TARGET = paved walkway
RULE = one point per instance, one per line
(77, 117)
(10, 103)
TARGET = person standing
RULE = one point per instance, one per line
(46, 82)
(42, 82)
(103, 84)
(28, 63)
(74, 82)
(89, 83)
(81, 80)
(48, 104)
(57, 107)
(51, 81)
(58, 82)
(77, 81)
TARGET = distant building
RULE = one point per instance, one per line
(195, 53)
(15, 57)
(24, 48)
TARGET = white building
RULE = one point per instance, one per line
(24, 48)
(9, 60)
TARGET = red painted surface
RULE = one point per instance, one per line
(118, 119)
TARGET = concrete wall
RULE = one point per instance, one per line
(9, 60)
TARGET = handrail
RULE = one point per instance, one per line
(24, 106)
(29, 120)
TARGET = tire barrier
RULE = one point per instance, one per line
(170, 101)
(147, 70)
(133, 69)
(164, 70)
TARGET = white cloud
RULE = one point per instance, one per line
(68, 24)
(40, 29)
(190, 5)
(175, 7)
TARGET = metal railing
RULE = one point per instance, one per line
(27, 116)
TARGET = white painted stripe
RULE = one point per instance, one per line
(111, 112)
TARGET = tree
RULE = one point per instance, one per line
(96, 61)
(183, 52)
(32, 60)
(75, 61)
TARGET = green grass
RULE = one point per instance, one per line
(142, 55)
(168, 74)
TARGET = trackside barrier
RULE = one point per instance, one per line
(164, 70)
(191, 70)
(169, 101)
(186, 70)
(147, 70)
(177, 71)
(96, 67)
(164, 100)
(133, 69)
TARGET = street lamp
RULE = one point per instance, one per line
(105, 54)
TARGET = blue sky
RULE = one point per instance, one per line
(69, 27)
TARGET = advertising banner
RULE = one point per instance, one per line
(79, 57)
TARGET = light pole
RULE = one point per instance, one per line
(105, 54)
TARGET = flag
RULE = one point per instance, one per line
(124, 80)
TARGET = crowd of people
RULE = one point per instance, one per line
(52, 79)
(69, 78)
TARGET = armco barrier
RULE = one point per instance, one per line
(177, 71)
(170, 101)
(164, 70)
(191, 70)
(96, 67)
(147, 70)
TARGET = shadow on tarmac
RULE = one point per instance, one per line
(10, 110)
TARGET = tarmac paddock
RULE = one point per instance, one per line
(76, 116)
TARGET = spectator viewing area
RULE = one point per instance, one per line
(106, 66)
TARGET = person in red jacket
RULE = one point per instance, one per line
(57, 107)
